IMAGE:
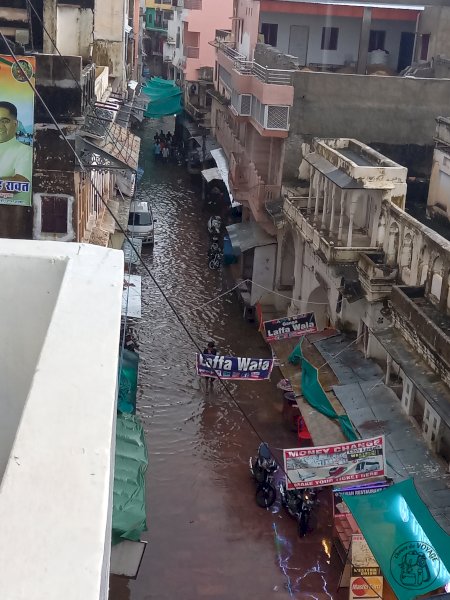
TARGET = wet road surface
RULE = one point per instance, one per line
(207, 538)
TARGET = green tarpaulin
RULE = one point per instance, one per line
(128, 376)
(314, 394)
(129, 513)
(165, 98)
(410, 547)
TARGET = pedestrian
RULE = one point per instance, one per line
(165, 153)
(169, 137)
(162, 137)
(156, 137)
(211, 350)
(157, 150)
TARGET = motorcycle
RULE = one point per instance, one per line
(215, 259)
(214, 225)
(263, 468)
(214, 244)
(299, 504)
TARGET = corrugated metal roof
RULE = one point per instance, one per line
(338, 177)
(244, 236)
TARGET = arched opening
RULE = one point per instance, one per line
(287, 266)
(424, 259)
(436, 278)
(318, 304)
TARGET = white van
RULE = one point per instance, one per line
(141, 222)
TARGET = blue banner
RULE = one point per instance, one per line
(232, 367)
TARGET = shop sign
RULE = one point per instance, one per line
(366, 588)
(233, 367)
(337, 463)
(288, 327)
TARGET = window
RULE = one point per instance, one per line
(138, 219)
(329, 38)
(424, 46)
(270, 33)
(54, 214)
(178, 40)
(377, 40)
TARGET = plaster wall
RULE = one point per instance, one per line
(246, 35)
(435, 20)
(348, 40)
(263, 273)
(214, 15)
(58, 417)
(439, 190)
(75, 30)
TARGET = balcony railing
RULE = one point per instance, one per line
(249, 67)
(322, 242)
(191, 52)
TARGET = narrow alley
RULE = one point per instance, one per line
(207, 537)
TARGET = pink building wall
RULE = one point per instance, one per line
(215, 14)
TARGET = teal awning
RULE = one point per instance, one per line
(412, 550)
(129, 511)
(165, 98)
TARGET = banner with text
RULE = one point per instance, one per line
(339, 463)
(232, 367)
(288, 327)
(16, 129)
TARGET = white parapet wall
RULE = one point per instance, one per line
(59, 326)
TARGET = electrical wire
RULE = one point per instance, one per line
(152, 277)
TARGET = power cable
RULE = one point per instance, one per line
(152, 277)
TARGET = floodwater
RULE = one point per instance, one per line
(206, 536)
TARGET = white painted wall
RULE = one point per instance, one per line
(75, 30)
(110, 20)
(348, 41)
(439, 191)
(263, 273)
(60, 324)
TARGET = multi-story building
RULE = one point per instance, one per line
(193, 27)
(438, 203)
(157, 16)
(326, 70)
(92, 104)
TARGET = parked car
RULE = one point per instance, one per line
(141, 222)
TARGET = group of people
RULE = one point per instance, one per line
(165, 146)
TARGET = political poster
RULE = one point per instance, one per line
(288, 327)
(232, 367)
(16, 129)
(338, 463)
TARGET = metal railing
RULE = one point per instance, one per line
(249, 67)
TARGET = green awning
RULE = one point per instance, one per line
(128, 376)
(129, 512)
(165, 98)
(412, 550)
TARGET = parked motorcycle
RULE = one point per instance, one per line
(263, 468)
(214, 243)
(299, 504)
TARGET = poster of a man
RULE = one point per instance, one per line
(16, 152)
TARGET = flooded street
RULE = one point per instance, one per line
(206, 536)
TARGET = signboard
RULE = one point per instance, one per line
(280, 329)
(232, 367)
(329, 465)
(16, 129)
(363, 561)
(131, 297)
(366, 587)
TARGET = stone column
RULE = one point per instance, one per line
(312, 181)
(364, 38)
(326, 192)
(318, 194)
(388, 369)
(333, 203)
(341, 216)
(350, 225)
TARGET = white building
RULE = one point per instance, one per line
(439, 192)
(60, 325)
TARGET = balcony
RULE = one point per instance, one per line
(424, 321)
(376, 277)
(248, 67)
(327, 236)
(191, 52)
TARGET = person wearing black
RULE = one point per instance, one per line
(210, 349)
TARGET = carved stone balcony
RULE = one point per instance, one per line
(376, 277)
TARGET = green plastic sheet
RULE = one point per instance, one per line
(315, 396)
(413, 551)
(129, 511)
(128, 377)
(165, 98)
